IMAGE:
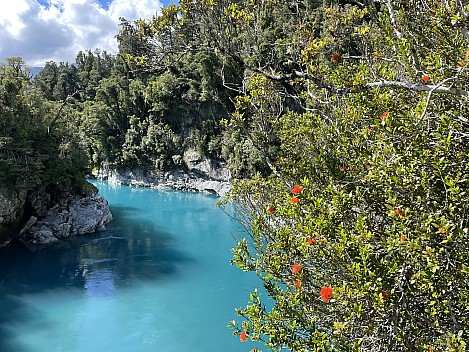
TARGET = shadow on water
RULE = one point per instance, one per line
(130, 251)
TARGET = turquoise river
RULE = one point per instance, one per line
(159, 279)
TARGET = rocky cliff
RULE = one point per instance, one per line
(42, 217)
(198, 174)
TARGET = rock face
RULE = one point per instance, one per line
(199, 175)
(12, 204)
(207, 168)
(41, 217)
(74, 215)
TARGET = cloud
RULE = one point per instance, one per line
(44, 30)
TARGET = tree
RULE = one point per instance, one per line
(367, 251)
(360, 234)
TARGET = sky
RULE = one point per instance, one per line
(56, 30)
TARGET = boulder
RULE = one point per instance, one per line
(76, 215)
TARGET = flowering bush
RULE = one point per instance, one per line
(371, 251)
(359, 108)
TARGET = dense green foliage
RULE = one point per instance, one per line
(35, 149)
(360, 110)
(131, 116)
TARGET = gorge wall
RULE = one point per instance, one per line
(197, 173)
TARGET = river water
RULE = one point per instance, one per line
(159, 279)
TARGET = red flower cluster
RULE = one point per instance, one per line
(311, 240)
(425, 78)
(385, 294)
(295, 200)
(326, 294)
(335, 58)
(297, 190)
(399, 212)
(297, 284)
(296, 268)
(384, 115)
(243, 337)
(270, 210)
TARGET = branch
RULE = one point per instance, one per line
(418, 87)
(372, 85)
(393, 19)
(298, 74)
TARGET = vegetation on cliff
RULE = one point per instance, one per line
(36, 145)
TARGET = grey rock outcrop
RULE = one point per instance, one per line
(209, 168)
(175, 179)
(200, 174)
(76, 215)
(38, 202)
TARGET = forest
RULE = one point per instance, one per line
(344, 125)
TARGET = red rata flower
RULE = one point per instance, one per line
(399, 212)
(326, 294)
(243, 337)
(385, 114)
(297, 284)
(296, 268)
(425, 78)
(295, 200)
(311, 240)
(335, 58)
(385, 294)
(297, 190)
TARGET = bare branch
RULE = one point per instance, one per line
(393, 19)
(439, 88)
(418, 87)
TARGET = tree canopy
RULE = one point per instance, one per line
(35, 149)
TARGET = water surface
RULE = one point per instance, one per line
(158, 279)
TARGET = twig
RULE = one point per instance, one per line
(393, 19)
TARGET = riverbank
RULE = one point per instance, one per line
(73, 215)
(174, 179)
(197, 174)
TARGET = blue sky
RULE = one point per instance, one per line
(45, 30)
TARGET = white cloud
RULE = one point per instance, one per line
(43, 30)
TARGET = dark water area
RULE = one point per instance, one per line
(159, 279)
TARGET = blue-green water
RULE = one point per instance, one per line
(159, 279)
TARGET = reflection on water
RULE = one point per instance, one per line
(159, 276)
(144, 253)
